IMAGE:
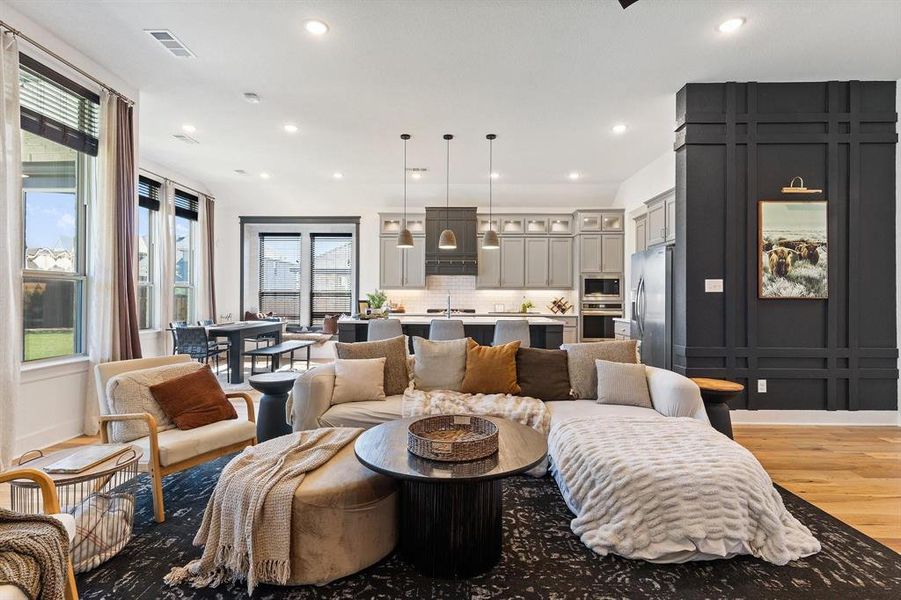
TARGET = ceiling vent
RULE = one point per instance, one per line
(240, 171)
(185, 138)
(170, 42)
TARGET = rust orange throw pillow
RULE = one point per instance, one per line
(491, 369)
(193, 400)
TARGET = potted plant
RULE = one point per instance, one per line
(377, 300)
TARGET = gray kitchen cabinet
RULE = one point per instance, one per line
(536, 262)
(641, 233)
(560, 259)
(590, 253)
(414, 264)
(656, 222)
(489, 268)
(513, 262)
(391, 263)
(612, 253)
(670, 203)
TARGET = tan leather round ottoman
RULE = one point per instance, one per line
(344, 518)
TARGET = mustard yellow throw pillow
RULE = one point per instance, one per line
(490, 369)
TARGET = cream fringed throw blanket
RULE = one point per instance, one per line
(670, 490)
(34, 554)
(246, 528)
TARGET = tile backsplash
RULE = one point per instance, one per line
(463, 294)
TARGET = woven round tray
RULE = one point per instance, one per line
(452, 438)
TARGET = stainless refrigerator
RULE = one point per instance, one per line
(651, 300)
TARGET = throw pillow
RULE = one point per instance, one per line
(330, 324)
(543, 374)
(359, 379)
(582, 371)
(128, 393)
(622, 383)
(394, 350)
(491, 369)
(439, 365)
(194, 400)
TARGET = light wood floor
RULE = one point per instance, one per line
(852, 473)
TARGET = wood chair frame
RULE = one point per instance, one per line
(51, 506)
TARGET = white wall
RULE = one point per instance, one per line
(653, 179)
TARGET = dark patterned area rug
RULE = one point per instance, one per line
(542, 559)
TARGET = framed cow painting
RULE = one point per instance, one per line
(794, 249)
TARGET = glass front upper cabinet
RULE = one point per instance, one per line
(511, 225)
(612, 222)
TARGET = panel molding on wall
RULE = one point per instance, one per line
(738, 143)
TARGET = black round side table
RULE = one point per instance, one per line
(271, 418)
(716, 394)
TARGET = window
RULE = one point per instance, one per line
(186, 207)
(280, 285)
(148, 206)
(60, 128)
(332, 275)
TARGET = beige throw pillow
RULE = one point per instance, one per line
(397, 378)
(622, 383)
(583, 374)
(439, 365)
(130, 393)
(359, 379)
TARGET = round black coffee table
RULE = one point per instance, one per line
(450, 523)
(271, 422)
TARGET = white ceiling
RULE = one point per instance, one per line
(549, 77)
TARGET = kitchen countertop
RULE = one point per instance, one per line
(490, 314)
(470, 319)
(621, 320)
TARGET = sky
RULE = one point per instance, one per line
(796, 216)
(51, 220)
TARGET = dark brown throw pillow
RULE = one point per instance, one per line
(543, 374)
(193, 400)
(330, 324)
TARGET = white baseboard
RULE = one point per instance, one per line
(817, 417)
(59, 432)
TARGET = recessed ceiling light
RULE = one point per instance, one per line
(338, 175)
(188, 128)
(264, 175)
(495, 175)
(316, 27)
(574, 175)
(252, 97)
(619, 128)
(731, 25)
(290, 128)
(416, 175)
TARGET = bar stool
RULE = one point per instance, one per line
(383, 329)
(446, 329)
(511, 330)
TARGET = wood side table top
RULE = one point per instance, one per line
(384, 450)
(720, 386)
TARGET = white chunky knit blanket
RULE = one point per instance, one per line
(670, 490)
(524, 410)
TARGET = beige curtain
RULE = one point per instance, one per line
(167, 262)
(207, 282)
(129, 341)
(10, 244)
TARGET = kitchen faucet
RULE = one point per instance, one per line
(448, 307)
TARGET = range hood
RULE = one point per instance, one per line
(464, 260)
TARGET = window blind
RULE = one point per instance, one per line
(57, 108)
(280, 275)
(149, 193)
(186, 205)
(332, 272)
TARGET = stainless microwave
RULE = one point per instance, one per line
(602, 287)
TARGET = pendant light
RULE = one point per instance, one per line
(447, 241)
(405, 238)
(490, 241)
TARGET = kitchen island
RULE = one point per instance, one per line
(544, 332)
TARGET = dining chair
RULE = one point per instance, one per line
(383, 329)
(173, 325)
(195, 342)
(511, 330)
(214, 341)
(446, 329)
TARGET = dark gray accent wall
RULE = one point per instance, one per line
(738, 143)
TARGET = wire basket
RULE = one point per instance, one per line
(101, 500)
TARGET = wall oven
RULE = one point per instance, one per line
(602, 287)
(597, 320)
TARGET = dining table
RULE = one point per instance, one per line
(236, 333)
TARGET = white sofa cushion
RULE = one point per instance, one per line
(130, 393)
(359, 379)
(366, 414)
(177, 445)
(440, 364)
(565, 409)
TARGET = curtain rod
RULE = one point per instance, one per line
(56, 56)
(186, 187)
